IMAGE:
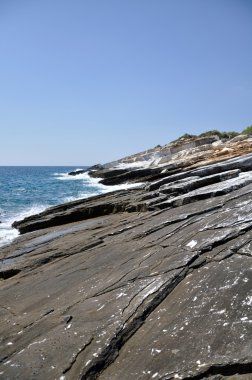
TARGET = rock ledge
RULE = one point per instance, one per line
(148, 283)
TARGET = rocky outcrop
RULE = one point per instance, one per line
(171, 191)
(148, 283)
(78, 210)
(183, 154)
(82, 171)
(78, 171)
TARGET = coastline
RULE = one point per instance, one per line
(87, 187)
(138, 283)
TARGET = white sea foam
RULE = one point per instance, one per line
(77, 169)
(67, 177)
(94, 182)
(91, 187)
(7, 233)
(98, 188)
(61, 174)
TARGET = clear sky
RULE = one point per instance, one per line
(88, 81)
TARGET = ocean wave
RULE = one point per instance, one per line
(67, 177)
(7, 233)
(64, 173)
(95, 182)
(91, 187)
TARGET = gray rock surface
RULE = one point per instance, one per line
(147, 283)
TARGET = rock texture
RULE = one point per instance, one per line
(148, 283)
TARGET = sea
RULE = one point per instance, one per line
(29, 190)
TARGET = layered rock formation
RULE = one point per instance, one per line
(148, 283)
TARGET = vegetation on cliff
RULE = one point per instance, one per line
(248, 130)
(213, 132)
(221, 135)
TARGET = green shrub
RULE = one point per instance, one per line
(215, 132)
(210, 133)
(222, 135)
(248, 130)
(186, 136)
(229, 135)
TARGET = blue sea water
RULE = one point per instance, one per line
(28, 190)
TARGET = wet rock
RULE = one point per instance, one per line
(82, 171)
(108, 173)
(77, 172)
(137, 175)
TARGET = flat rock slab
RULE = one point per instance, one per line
(142, 295)
(203, 325)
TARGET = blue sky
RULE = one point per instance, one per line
(88, 81)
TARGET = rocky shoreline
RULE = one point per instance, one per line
(151, 282)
